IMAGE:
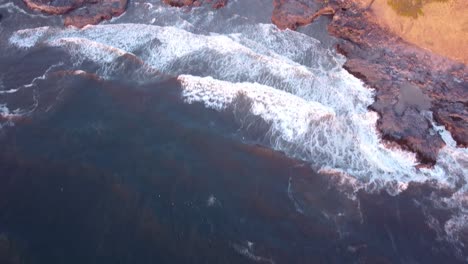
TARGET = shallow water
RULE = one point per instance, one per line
(178, 136)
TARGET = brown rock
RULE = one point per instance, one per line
(80, 13)
(410, 82)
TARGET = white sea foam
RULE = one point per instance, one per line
(81, 49)
(10, 91)
(27, 38)
(247, 251)
(43, 76)
(177, 51)
(5, 111)
(288, 113)
(7, 116)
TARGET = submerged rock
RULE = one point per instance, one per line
(410, 82)
(80, 13)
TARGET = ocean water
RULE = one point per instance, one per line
(197, 136)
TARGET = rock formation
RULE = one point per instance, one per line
(293, 13)
(80, 13)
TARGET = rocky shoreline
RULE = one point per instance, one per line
(410, 82)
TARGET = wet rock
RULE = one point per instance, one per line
(80, 13)
(410, 82)
(454, 115)
(194, 3)
(401, 106)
